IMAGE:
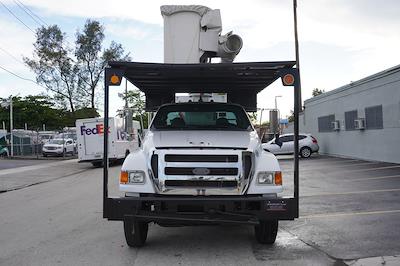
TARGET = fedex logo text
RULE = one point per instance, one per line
(99, 129)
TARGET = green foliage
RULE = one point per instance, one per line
(253, 117)
(136, 104)
(54, 68)
(71, 75)
(291, 116)
(91, 60)
(317, 92)
(39, 110)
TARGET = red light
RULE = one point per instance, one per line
(314, 140)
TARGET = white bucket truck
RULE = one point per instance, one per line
(90, 135)
(201, 161)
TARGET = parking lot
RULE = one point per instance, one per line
(349, 214)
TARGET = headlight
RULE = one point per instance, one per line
(134, 177)
(265, 178)
(269, 178)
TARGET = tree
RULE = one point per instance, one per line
(38, 110)
(317, 92)
(34, 111)
(54, 68)
(72, 74)
(291, 116)
(91, 59)
(253, 117)
(136, 103)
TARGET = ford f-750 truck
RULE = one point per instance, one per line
(201, 162)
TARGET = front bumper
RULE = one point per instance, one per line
(189, 210)
(53, 152)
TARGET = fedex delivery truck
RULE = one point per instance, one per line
(90, 133)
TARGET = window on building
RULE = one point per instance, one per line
(349, 118)
(374, 117)
(325, 123)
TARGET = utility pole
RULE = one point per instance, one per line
(11, 127)
(296, 40)
(279, 113)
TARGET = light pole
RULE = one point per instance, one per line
(5, 104)
(276, 104)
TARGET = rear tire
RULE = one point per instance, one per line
(305, 152)
(135, 233)
(97, 164)
(266, 232)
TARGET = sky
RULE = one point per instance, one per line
(340, 41)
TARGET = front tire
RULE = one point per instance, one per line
(266, 232)
(135, 233)
(305, 152)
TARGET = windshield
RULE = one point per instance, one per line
(201, 116)
(56, 141)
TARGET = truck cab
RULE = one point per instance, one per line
(202, 149)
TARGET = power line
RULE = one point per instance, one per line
(15, 16)
(11, 55)
(26, 12)
(30, 11)
(18, 76)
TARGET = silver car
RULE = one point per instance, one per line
(307, 145)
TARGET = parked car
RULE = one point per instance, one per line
(4, 151)
(307, 145)
(59, 147)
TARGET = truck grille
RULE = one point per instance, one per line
(199, 171)
(194, 171)
(201, 183)
(201, 158)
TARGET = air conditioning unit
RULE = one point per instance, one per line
(359, 123)
(336, 125)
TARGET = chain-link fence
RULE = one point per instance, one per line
(38, 144)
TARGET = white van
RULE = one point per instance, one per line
(90, 139)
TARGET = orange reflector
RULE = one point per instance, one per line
(288, 80)
(123, 177)
(278, 178)
(114, 79)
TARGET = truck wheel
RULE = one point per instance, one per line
(135, 232)
(97, 164)
(305, 152)
(266, 231)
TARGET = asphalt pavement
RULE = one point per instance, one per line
(9, 163)
(350, 214)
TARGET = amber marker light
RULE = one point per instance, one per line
(288, 80)
(124, 177)
(278, 178)
(114, 79)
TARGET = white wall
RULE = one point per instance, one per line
(373, 144)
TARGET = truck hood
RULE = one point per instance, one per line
(202, 138)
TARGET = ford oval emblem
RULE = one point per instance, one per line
(201, 171)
